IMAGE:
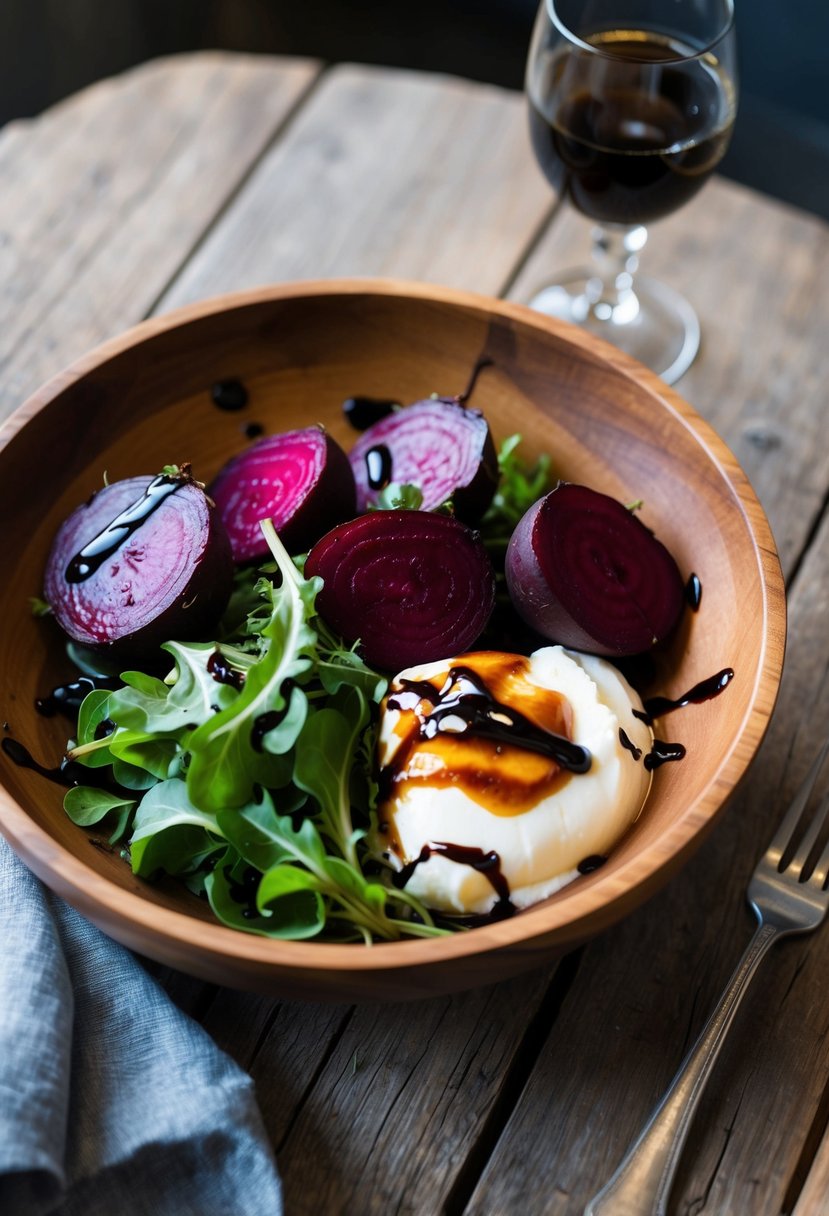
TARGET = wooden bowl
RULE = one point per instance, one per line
(143, 400)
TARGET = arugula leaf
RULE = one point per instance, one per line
(324, 757)
(294, 915)
(395, 497)
(157, 840)
(226, 751)
(519, 486)
(86, 806)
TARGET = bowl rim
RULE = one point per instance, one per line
(137, 921)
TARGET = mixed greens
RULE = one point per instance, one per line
(248, 770)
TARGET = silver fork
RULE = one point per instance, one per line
(784, 903)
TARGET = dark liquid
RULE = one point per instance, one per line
(229, 395)
(363, 412)
(378, 466)
(488, 864)
(67, 698)
(84, 564)
(627, 136)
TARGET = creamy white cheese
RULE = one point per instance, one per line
(539, 847)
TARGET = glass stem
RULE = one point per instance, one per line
(615, 257)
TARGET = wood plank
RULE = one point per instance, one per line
(383, 173)
(757, 273)
(402, 1101)
(645, 989)
(812, 1198)
(105, 196)
(268, 234)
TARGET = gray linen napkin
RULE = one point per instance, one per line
(112, 1101)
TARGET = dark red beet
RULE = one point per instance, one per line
(438, 445)
(301, 480)
(583, 571)
(411, 586)
(144, 561)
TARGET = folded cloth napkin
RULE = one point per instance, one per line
(112, 1101)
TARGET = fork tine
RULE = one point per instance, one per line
(818, 876)
(808, 842)
(788, 827)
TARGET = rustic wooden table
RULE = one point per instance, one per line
(193, 176)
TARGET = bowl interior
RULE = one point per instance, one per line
(145, 401)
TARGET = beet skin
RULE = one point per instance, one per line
(583, 571)
(169, 577)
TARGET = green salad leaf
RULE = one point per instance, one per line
(248, 770)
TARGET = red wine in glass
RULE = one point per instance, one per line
(628, 123)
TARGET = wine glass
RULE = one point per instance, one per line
(631, 108)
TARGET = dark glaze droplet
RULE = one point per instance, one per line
(706, 690)
(270, 720)
(488, 864)
(591, 863)
(253, 430)
(378, 466)
(661, 753)
(229, 395)
(94, 554)
(67, 698)
(363, 412)
(67, 774)
(693, 592)
(629, 745)
(465, 697)
(223, 673)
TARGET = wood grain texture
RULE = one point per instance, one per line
(383, 173)
(105, 196)
(652, 982)
(643, 988)
(301, 351)
(758, 274)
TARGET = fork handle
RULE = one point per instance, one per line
(641, 1184)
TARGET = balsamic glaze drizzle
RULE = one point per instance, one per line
(269, 721)
(253, 430)
(223, 673)
(229, 395)
(693, 592)
(629, 745)
(378, 466)
(465, 705)
(363, 412)
(591, 863)
(94, 554)
(488, 864)
(67, 773)
(67, 698)
(706, 690)
(661, 753)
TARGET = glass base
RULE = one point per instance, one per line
(651, 322)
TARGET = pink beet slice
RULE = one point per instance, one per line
(143, 561)
(438, 445)
(583, 571)
(411, 586)
(301, 480)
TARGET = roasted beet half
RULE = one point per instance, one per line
(583, 571)
(440, 446)
(143, 561)
(410, 585)
(301, 480)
